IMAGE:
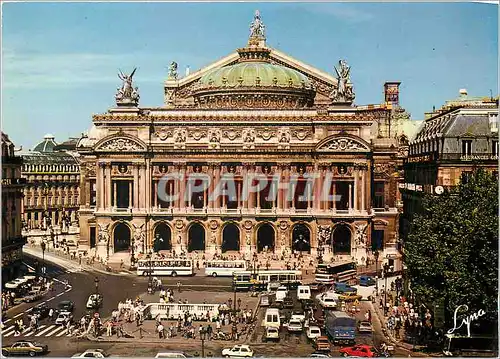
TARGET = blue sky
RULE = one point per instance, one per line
(60, 60)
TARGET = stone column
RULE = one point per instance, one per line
(156, 194)
(212, 184)
(114, 195)
(356, 187)
(217, 174)
(280, 190)
(244, 171)
(238, 194)
(251, 195)
(108, 186)
(287, 189)
(334, 194)
(350, 196)
(182, 184)
(100, 185)
(130, 194)
(135, 185)
(148, 186)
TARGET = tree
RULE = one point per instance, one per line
(452, 249)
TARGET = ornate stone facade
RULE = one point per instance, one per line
(217, 123)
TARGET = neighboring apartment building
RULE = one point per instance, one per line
(52, 192)
(12, 191)
(451, 143)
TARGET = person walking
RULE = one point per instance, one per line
(68, 327)
(179, 287)
(159, 329)
(51, 314)
(109, 329)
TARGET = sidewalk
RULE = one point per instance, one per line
(394, 341)
(69, 264)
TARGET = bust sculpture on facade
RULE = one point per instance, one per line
(127, 94)
(103, 233)
(344, 91)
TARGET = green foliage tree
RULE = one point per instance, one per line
(452, 249)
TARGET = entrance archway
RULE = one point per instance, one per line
(230, 238)
(162, 240)
(196, 238)
(265, 237)
(121, 237)
(301, 238)
(341, 239)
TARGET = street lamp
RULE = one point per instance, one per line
(96, 302)
(203, 336)
(43, 245)
(376, 254)
(386, 268)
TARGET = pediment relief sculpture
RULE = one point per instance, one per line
(120, 145)
(343, 144)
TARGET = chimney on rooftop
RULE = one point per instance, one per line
(391, 92)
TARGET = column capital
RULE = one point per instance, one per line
(248, 163)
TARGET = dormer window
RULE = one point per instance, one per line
(493, 118)
(466, 147)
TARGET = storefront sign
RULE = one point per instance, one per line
(426, 158)
(478, 157)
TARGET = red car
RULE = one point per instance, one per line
(360, 350)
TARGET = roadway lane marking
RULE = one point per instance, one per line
(48, 300)
(64, 332)
(7, 329)
(8, 320)
(33, 332)
(8, 334)
(59, 294)
(54, 331)
(17, 316)
(26, 330)
(45, 330)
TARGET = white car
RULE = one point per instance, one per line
(91, 353)
(94, 301)
(294, 326)
(299, 316)
(281, 294)
(63, 318)
(171, 355)
(238, 351)
(326, 300)
(313, 332)
(272, 333)
(365, 327)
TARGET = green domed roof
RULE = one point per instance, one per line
(246, 74)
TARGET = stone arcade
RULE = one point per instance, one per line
(256, 110)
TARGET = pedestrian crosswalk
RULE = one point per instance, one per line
(42, 330)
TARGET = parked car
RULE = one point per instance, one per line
(350, 297)
(343, 288)
(322, 344)
(316, 286)
(238, 351)
(66, 306)
(173, 355)
(360, 350)
(272, 286)
(72, 245)
(25, 348)
(313, 332)
(320, 355)
(272, 333)
(41, 311)
(294, 326)
(365, 327)
(366, 281)
(91, 353)
(63, 318)
(94, 301)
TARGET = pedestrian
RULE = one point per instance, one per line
(68, 327)
(160, 328)
(51, 314)
(179, 287)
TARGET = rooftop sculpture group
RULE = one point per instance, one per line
(344, 92)
(127, 94)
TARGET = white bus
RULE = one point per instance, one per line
(168, 266)
(260, 279)
(224, 268)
